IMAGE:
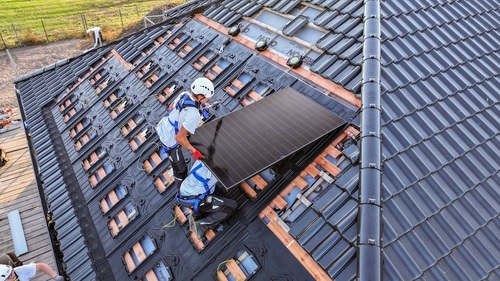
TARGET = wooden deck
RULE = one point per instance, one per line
(19, 191)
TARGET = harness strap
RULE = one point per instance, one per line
(174, 124)
(201, 179)
(195, 199)
(166, 149)
(183, 102)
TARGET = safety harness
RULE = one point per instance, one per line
(183, 102)
(194, 200)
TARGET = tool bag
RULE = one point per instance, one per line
(10, 259)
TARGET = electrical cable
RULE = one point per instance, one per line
(119, 104)
(223, 262)
(140, 156)
(170, 223)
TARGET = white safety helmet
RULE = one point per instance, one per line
(203, 86)
(5, 272)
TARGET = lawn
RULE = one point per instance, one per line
(27, 22)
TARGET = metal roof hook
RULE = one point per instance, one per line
(223, 45)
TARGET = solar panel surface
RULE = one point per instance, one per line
(251, 139)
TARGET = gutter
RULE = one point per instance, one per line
(370, 185)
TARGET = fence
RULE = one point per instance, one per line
(111, 22)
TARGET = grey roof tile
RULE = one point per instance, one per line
(214, 11)
(331, 238)
(315, 234)
(243, 6)
(229, 19)
(294, 25)
(252, 10)
(336, 251)
(349, 261)
(286, 6)
(332, 71)
(268, 3)
(439, 126)
(325, 17)
(316, 2)
(329, 40)
(164, 55)
(338, 21)
(232, 4)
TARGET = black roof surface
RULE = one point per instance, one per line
(426, 73)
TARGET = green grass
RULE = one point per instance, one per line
(28, 22)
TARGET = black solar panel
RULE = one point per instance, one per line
(249, 140)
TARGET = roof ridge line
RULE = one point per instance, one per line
(370, 175)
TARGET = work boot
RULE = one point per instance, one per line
(194, 226)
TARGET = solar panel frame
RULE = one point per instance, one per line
(263, 133)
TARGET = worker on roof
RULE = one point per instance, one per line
(26, 272)
(197, 192)
(183, 119)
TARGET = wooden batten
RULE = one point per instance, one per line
(300, 254)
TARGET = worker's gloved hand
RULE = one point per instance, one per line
(197, 155)
(58, 278)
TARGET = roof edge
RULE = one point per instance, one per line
(370, 184)
(190, 7)
(40, 71)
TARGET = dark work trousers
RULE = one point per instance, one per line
(178, 164)
(213, 209)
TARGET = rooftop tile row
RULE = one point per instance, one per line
(318, 210)
(330, 34)
(105, 117)
(440, 131)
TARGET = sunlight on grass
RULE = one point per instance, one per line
(39, 21)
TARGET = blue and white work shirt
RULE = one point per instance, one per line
(188, 117)
(192, 186)
(25, 272)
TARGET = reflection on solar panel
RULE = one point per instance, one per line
(255, 137)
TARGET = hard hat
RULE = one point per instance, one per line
(5, 272)
(203, 86)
